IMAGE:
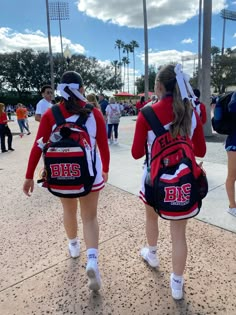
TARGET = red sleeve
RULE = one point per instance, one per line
(101, 139)
(140, 137)
(3, 118)
(44, 131)
(203, 113)
(198, 139)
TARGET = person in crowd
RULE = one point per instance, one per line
(21, 114)
(26, 117)
(140, 104)
(5, 130)
(154, 99)
(45, 102)
(9, 111)
(103, 104)
(113, 114)
(92, 99)
(200, 107)
(72, 106)
(230, 147)
(178, 117)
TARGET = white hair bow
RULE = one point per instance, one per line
(183, 83)
(74, 88)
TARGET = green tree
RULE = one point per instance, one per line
(133, 45)
(140, 82)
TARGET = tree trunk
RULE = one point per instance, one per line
(206, 63)
(134, 70)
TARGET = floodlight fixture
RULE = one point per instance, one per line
(59, 10)
(226, 15)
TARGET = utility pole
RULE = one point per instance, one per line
(199, 44)
(50, 48)
(146, 87)
(206, 63)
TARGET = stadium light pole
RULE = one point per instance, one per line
(146, 83)
(206, 63)
(226, 15)
(59, 11)
(199, 44)
(50, 48)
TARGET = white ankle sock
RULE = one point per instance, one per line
(92, 253)
(176, 282)
(152, 250)
(73, 241)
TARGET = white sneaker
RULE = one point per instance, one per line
(74, 249)
(232, 211)
(109, 142)
(176, 287)
(93, 275)
(150, 258)
(115, 141)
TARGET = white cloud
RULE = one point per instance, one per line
(160, 58)
(37, 40)
(130, 13)
(187, 41)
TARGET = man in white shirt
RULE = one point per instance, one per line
(45, 102)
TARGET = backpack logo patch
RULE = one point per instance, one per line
(178, 195)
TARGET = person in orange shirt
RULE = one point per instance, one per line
(21, 113)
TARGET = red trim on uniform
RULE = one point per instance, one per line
(179, 213)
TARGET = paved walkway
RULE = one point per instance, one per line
(38, 277)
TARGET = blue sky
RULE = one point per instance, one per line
(95, 25)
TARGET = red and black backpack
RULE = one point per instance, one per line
(69, 159)
(175, 183)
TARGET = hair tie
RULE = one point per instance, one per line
(181, 82)
(73, 87)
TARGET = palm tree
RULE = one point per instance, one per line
(115, 64)
(133, 45)
(125, 61)
(126, 49)
(119, 44)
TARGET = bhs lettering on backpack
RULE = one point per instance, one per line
(178, 195)
(65, 170)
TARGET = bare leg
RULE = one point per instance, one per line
(152, 231)
(179, 246)
(70, 216)
(231, 177)
(88, 208)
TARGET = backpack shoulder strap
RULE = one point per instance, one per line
(153, 121)
(83, 118)
(58, 115)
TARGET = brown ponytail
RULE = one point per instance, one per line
(182, 109)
